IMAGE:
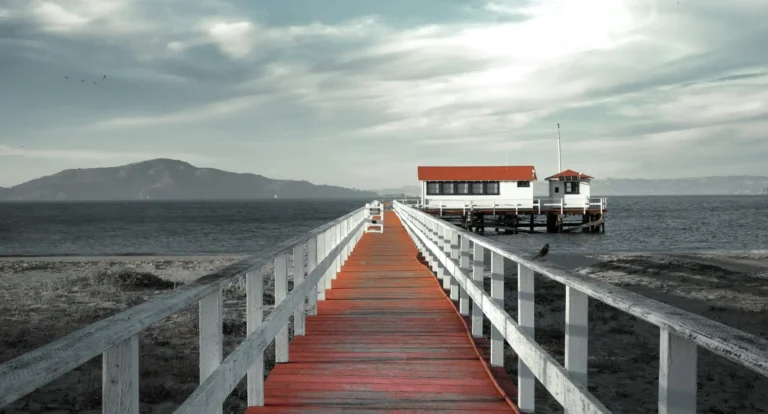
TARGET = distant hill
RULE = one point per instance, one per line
(724, 185)
(166, 179)
(408, 191)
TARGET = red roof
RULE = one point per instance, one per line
(507, 173)
(569, 173)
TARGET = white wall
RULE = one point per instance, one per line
(510, 195)
(571, 200)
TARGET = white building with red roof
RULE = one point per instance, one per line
(467, 187)
(572, 187)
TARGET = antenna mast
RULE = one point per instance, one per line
(559, 164)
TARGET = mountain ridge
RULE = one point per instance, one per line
(167, 179)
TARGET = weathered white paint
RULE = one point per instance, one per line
(37, 368)
(497, 294)
(311, 264)
(510, 195)
(464, 264)
(330, 244)
(566, 390)
(447, 231)
(478, 268)
(254, 316)
(745, 349)
(454, 249)
(526, 317)
(440, 268)
(576, 333)
(281, 291)
(215, 389)
(321, 252)
(677, 374)
(211, 335)
(120, 378)
(298, 277)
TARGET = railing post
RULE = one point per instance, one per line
(454, 245)
(446, 248)
(254, 316)
(526, 382)
(497, 294)
(440, 267)
(576, 334)
(320, 256)
(464, 265)
(298, 277)
(281, 291)
(211, 334)
(677, 374)
(329, 245)
(120, 378)
(478, 267)
(311, 265)
(337, 259)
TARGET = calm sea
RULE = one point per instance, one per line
(189, 228)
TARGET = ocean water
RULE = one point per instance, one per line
(662, 223)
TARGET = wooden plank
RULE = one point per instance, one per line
(120, 378)
(677, 374)
(254, 316)
(576, 334)
(298, 277)
(211, 335)
(382, 345)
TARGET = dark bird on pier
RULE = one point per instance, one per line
(543, 252)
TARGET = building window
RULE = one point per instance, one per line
(448, 188)
(557, 190)
(523, 183)
(478, 188)
(492, 188)
(433, 188)
(462, 188)
(571, 187)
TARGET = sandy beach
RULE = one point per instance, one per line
(42, 299)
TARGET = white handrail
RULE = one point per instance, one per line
(116, 337)
(681, 332)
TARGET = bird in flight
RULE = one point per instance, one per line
(105, 77)
(543, 252)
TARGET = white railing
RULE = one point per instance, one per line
(374, 217)
(516, 205)
(446, 248)
(116, 337)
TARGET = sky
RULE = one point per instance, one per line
(358, 93)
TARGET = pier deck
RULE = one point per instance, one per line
(386, 337)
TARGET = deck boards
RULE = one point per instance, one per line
(385, 339)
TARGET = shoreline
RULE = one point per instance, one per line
(47, 297)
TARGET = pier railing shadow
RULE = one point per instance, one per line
(446, 248)
(116, 339)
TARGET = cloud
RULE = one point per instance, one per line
(623, 78)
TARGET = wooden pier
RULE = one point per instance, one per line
(389, 311)
(385, 337)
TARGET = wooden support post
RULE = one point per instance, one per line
(526, 381)
(439, 242)
(497, 294)
(454, 245)
(576, 333)
(432, 234)
(677, 374)
(320, 256)
(337, 259)
(329, 245)
(254, 316)
(464, 265)
(120, 378)
(281, 291)
(478, 267)
(532, 221)
(446, 246)
(211, 334)
(298, 277)
(311, 264)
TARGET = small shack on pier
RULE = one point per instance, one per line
(570, 186)
(468, 187)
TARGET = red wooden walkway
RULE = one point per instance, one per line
(385, 339)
